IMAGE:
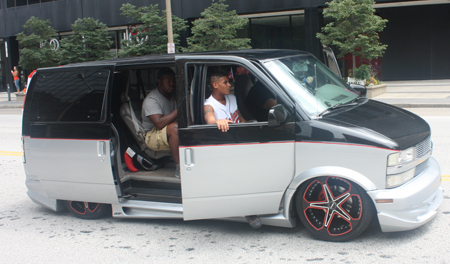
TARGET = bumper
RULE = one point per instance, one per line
(414, 203)
(37, 194)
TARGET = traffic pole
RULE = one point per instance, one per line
(170, 44)
(9, 92)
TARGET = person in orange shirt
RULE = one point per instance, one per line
(15, 74)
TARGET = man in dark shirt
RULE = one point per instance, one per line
(259, 100)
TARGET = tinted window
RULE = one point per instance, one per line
(74, 96)
(10, 3)
(21, 2)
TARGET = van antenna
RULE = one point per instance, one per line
(315, 75)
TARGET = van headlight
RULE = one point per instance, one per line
(395, 180)
(401, 157)
(398, 172)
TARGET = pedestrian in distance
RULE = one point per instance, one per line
(15, 74)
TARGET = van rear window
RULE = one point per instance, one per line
(69, 96)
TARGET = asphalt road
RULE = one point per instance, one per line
(30, 233)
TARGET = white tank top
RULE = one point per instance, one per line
(228, 111)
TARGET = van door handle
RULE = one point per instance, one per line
(189, 157)
(101, 148)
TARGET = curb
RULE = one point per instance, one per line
(419, 105)
(12, 105)
(417, 84)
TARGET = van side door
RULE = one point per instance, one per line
(244, 171)
(68, 131)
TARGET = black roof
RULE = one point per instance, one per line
(252, 54)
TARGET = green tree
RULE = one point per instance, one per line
(150, 35)
(34, 43)
(90, 42)
(354, 30)
(217, 29)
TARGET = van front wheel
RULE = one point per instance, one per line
(86, 210)
(334, 209)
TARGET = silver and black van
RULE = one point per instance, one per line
(323, 154)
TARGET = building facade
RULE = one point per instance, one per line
(417, 33)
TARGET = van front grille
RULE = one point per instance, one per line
(423, 147)
(421, 167)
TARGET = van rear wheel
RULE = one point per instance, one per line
(334, 209)
(86, 210)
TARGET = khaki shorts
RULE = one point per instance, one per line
(156, 139)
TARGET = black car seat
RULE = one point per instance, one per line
(242, 86)
(130, 112)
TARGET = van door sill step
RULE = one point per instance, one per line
(153, 198)
(154, 192)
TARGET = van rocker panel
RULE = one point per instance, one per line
(221, 207)
(73, 191)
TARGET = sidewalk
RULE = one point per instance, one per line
(4, 103)
(417, 94)
(405, 94)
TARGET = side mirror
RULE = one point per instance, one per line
(362, 90)
(277, 115)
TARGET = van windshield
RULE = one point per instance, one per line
(314, 87)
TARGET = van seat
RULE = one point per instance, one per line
(243, 85)
(161, 175)
(139, 136)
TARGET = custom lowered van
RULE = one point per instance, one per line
(322, 154)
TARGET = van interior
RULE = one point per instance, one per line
(155, 180)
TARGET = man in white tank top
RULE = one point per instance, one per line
(221, 106)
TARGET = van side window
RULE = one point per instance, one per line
(71, 96)
(253, 97)
(143, 80)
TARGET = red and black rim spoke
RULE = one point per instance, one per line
(83, 207)
(332, 206)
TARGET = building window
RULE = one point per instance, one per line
(298, 32)
(117, 37)
(276, 32)
(2, 65)
(271, 32)
(10, 3)
(14, 3)
(21, 2)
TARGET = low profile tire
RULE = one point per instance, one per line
(334, 209)
(86, 210)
